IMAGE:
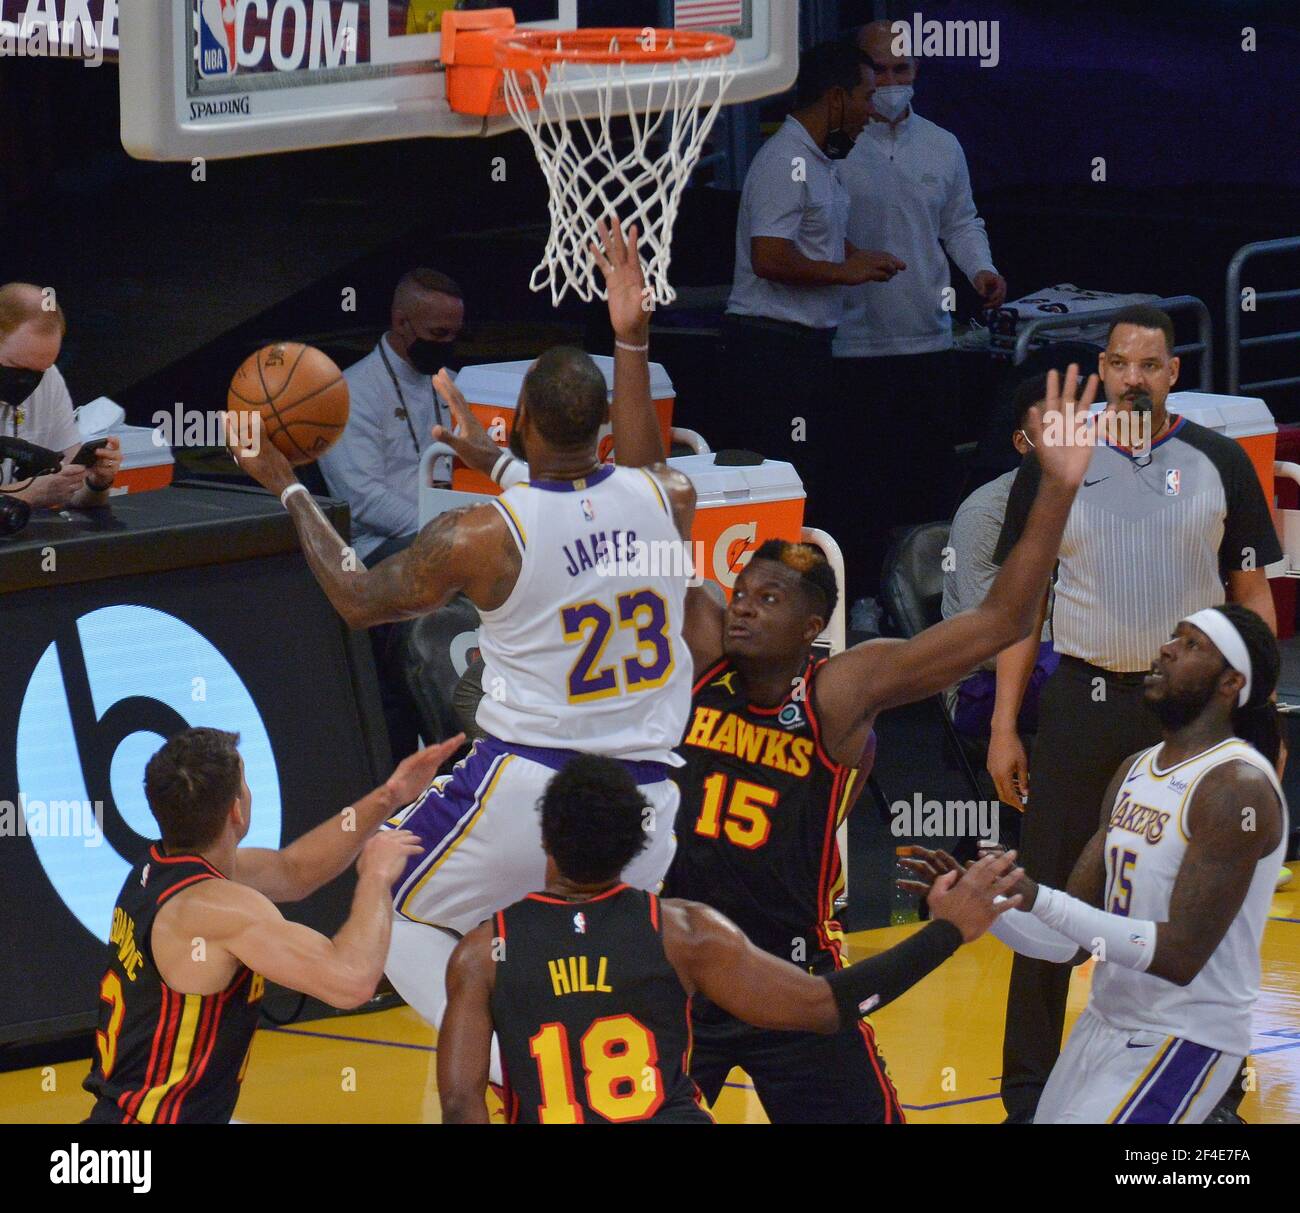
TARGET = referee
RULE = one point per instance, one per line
(1159, 531)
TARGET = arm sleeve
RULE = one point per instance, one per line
(1023, 491)
(870, 984)
(960, 227)
(1249, 538)
(1023, 933)
(775, 199)
(1127, 942)
(355, 470)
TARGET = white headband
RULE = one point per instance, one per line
(1219, 628)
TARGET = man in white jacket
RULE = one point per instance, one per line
(909, 192)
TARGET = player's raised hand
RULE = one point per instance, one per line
(630, 304)
(966, 901)
(415, 772)
(473, 447)
(261, 459)
(1062, 431)
(385, 856)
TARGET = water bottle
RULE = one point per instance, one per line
(903, 906)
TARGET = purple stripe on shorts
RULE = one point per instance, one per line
(557, 760)
(435, 818)
(1165, 1095)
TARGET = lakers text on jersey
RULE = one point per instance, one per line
(1147, 1051)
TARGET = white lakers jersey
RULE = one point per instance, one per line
(587, 652)
(1146, 840)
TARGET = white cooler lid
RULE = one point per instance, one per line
(770, 480)
(138, 447)
(498, 383)
(1235, 416)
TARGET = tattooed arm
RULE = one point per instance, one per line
(470, 550)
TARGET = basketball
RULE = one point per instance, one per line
(301, 395)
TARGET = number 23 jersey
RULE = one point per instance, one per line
(587, 652)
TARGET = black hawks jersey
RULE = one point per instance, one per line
(163, 1057)
(761, 804)
(593, 1021)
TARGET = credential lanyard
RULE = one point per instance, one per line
(401, 398)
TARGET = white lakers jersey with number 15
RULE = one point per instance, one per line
(1146, 839)
(587, 652)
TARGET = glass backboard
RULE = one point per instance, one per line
(218, 78)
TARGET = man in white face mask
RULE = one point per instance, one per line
(909, 192)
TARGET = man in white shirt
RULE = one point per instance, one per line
(910, 192)
(793, 262)
(35, 404)
(393, 409)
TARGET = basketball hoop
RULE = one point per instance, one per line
(670, 84)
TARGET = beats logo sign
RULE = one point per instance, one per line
(93, 714)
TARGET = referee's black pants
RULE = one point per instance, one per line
(892, 464)
(776, 378)
(1089, 721)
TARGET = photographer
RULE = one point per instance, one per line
(35, 405)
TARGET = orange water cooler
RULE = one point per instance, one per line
(492, 390)
(737, 509)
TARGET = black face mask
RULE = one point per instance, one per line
(429, 357)
(839, 144)
(17, 383)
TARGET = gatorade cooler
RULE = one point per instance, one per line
(145, 464)
(492, 391)
(1245, 418)
(738, 508)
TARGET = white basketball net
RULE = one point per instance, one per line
(590, 179)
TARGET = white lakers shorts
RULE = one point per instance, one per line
(482, 835)
(1108, 1075)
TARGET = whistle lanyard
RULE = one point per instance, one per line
(401, 399)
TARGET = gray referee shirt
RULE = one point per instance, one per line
(1150, 540)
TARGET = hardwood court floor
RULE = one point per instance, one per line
(943, 1043)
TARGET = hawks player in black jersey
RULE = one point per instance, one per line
(588, 985)
(777, 748)
(195, 933)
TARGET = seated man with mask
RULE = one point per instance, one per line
(393, 411)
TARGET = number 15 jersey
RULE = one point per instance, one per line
(587, 652)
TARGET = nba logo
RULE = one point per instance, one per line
(588, 510)
(217, 38)
(1173, 477)
(579, 923)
